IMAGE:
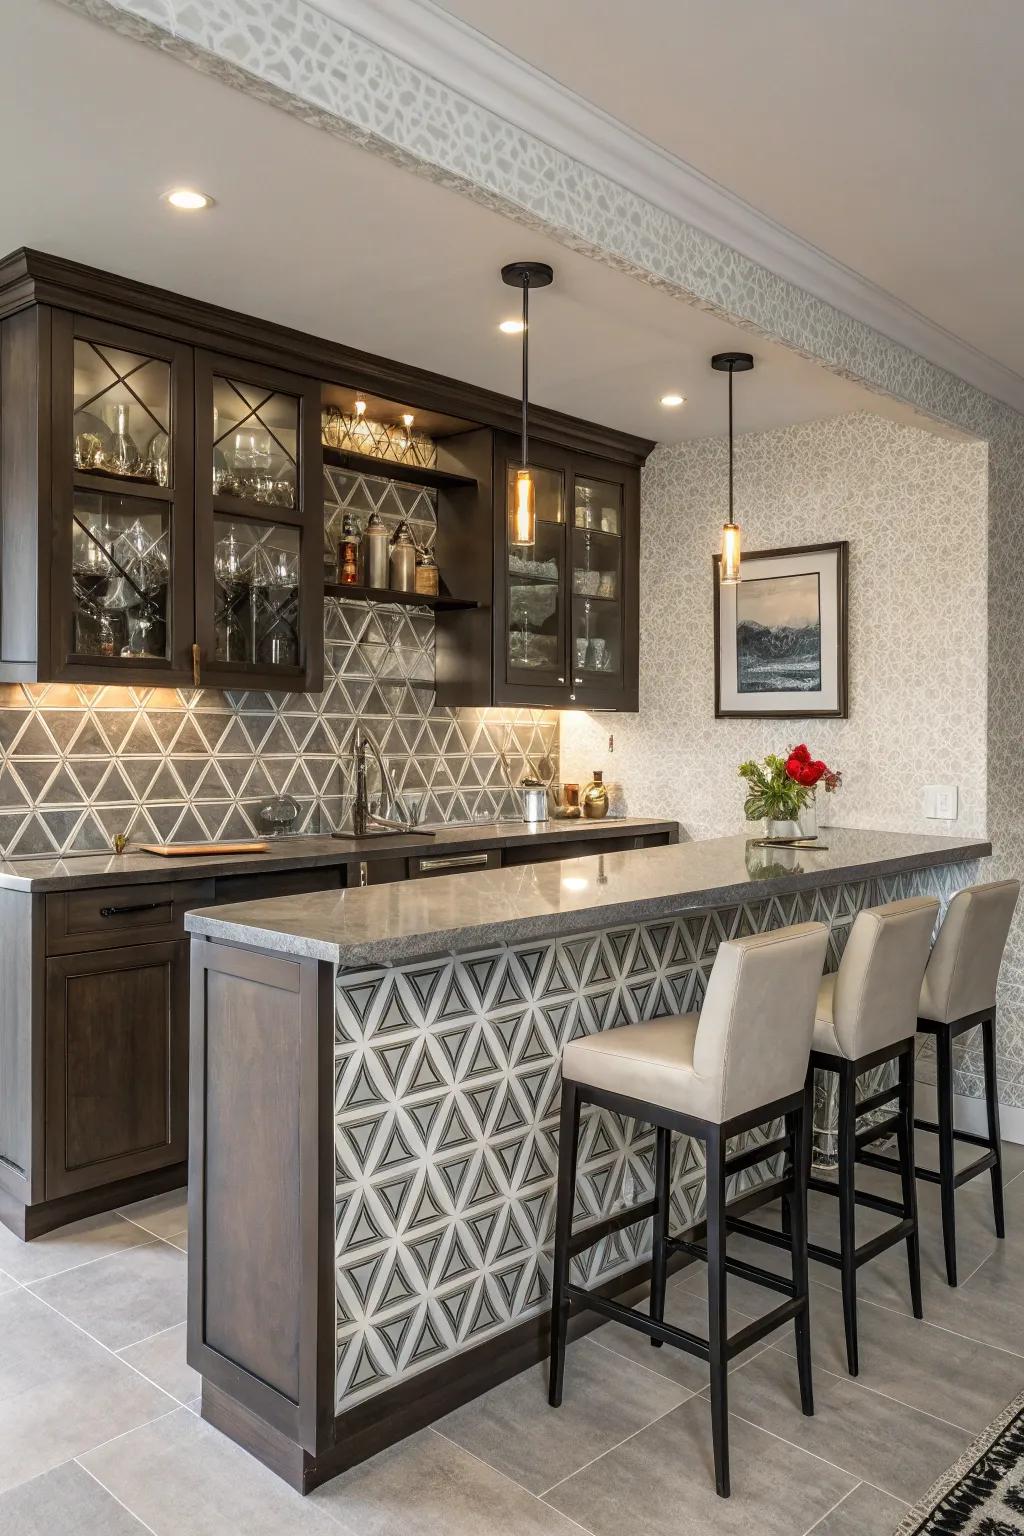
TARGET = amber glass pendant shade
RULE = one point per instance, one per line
(524, 512)
(729, 564)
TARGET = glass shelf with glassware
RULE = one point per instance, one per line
(120, 576)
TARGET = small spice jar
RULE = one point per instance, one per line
(426, 575)
(348, 553)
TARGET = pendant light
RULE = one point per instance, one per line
(729, 562)
(525, 275)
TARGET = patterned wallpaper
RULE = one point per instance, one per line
(913, 507)
(291, 53)
(78, 764)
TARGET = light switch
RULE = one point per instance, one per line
(941, 802)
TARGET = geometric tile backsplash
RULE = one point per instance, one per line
(446, 1121)
(78, 764)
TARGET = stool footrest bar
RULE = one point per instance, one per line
(867, 1251)
(586, 1237)
(737, 1267)
(751, 1156)
(763, 1234)
(738, 1342)
(981, 1165)
(617, 1313)
(862, 1196)
(871, 1133)
(972, 1138)
(883, 1096)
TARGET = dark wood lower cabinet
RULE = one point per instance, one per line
(116, 1064)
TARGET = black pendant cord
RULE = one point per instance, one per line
(730, 447)
(526, 362)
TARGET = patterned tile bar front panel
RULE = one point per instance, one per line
(446, 1097)
(78, 764)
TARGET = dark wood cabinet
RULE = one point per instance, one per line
(558, 622)
(259, 588)
(161, 505)
(116, 1064)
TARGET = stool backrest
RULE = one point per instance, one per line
(754, 1033)
(879, 981)
(964, 966)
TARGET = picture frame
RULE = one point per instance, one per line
(782, 635)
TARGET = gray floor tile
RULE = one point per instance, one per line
(64, 1500)
(182, 1478)
(162, 1360)
(60, 1393)
(685, 1309)
(871, 1437)
(93, 1238)
(7, 1282)
(164, 1215)
(123, 1299)
(864, 1512)
(661, 1483)
(954, 1378)
(427, 1486)
(605, 1398)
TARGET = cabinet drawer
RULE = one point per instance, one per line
(580, 847)
(276, 882)
(101, 917)
(426, 865)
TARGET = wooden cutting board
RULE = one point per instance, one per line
(179, 850)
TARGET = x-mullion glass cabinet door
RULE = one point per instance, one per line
(531, 586)
(122, 504)
(259, 528)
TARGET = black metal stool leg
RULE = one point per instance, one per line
(905, 1144)
(988, 1036)
(947, 1164)
(568, 1140)
(718, 1331)
(798, 1250)
(847, 1208)
(659, 1225)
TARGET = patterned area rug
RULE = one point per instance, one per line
(982, 1494)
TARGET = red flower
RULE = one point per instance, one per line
(810, 773)
(800, 754)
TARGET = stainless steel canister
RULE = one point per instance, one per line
(375, 552)
(403, 560)
(535, 802)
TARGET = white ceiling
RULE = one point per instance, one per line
(311, 232)
(887, 134)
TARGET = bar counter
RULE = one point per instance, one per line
(374, 1095)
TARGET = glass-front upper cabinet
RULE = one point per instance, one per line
(567, 636)
(259, 527)
(535, 584)
(121, 455)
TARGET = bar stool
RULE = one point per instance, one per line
(739, 1065)
(866, 1018)
(958, 994)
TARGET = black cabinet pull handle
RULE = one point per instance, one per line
(143, 906)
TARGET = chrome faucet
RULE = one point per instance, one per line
(363, 818)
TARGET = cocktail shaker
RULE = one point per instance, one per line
(375, 552)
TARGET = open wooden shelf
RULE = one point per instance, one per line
(389, 469)
(440, 603)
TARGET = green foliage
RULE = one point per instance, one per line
(771, 792)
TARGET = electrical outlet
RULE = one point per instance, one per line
(941, 802)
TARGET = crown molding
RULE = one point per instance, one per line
(431, 39)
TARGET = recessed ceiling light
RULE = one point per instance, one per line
(511, 327)
(187, 199)
(673, 400)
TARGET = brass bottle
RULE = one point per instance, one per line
(595, 797)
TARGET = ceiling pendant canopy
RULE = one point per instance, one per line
(729, 563)
(525, 275)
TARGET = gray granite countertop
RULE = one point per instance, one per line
(391, 923)
(99, 869)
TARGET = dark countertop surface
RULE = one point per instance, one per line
(100, 869)
(386, 924)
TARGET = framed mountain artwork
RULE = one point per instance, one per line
(781, 640)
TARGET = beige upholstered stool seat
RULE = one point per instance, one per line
(963, 969)
(651, 1061)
